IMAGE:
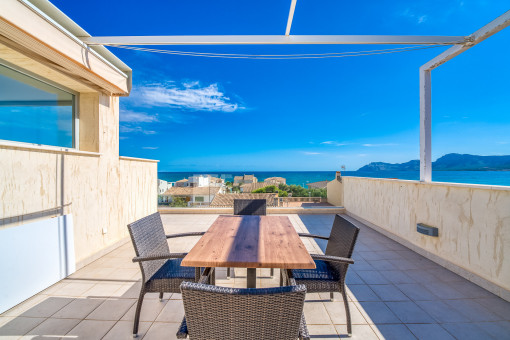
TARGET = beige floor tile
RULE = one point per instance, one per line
(173, 312)
(150, 310)
(162, 330)
(111, 309)
(323, 331)
(316, 314)
(57, 286)
(361, 332)
(91, 329)
(130, 290)
(103, 290)
(124, 330)
(74, 289)
(52, 328)
(47, 307)
(336, 311)
(79, 308)
(18, 326)
(124, 273)
(25, 305)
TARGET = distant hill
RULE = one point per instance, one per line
(451, 161)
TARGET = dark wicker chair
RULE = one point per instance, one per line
(161, 270)
(215, 313)
(250, 207)
(329, 276)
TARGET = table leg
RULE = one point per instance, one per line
(251, 278)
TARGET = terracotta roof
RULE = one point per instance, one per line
(276, 179)
(249, 187)
(222, 200)
(190, 191)
(319, 185)
(182, 180)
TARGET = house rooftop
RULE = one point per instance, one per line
(190, 191)
(227, 200)
(319, 185)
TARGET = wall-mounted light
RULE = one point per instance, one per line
(427, 230)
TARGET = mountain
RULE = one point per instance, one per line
(451, 161)
(380, 166)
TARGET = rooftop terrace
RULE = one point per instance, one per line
(394, 293)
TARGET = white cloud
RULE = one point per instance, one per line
(411, 15)
(422, 19)
(311, 153)
(189, 95)
(330, 142)
(376, 145)
(136, 129)
(132, 116)
(150, 147)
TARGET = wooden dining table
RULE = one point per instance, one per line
(250, 242)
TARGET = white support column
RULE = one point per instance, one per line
(483, 33)
(425, 126)
(291, 16)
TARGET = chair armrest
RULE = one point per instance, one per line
(313, 236)
(164, 256)
(198, 233)
(329, 258)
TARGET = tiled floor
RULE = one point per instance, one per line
(394, 294)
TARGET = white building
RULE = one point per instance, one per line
(164, 186)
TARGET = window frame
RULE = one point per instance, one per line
(75, 107)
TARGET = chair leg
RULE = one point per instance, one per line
(161, 296)
(137, 312)
(272, 272)
(228, 272)
(281, 277)
(347, 312)
(332, 296)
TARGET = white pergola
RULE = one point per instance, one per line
(458, 44)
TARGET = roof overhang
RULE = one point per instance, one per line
(41, 31)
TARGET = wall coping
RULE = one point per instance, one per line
(270, 210)
(460, 185)
(4, 144)
(125, 158)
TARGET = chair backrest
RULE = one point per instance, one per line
(216, 313)
(148, 236)
(342, 238)
(250, 207)
(341, 241)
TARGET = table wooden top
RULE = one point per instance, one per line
(250, 242)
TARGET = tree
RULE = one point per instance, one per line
(299, 191)
(178, 202)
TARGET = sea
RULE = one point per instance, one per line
(304, 177)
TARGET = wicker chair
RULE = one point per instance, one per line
(215, 313)
(329, 276)
(250, 207)
(161, 270)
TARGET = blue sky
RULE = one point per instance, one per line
(196, 113)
